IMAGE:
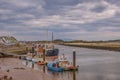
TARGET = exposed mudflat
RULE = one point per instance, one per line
(13, 69)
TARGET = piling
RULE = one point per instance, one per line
(26, 62)
(43, 54)
(44, 68)
(74, 58)
(26, 49)
(33, 50)
(20, 57)
(32, 64)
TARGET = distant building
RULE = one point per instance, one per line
(8, 40)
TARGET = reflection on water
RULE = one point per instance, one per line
(68, 75)
(74, 75)
(93, 65)
(44, 68)
(64, 75)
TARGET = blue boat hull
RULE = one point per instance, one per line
(50, 67)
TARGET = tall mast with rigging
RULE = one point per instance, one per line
(52, 40)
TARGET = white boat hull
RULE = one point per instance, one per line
(37, 59)
(28, 58)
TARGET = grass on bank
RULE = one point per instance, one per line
(108, 45)
(22, 51)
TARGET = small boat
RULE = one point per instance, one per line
(65, 63)
(36, 59)
(29, 58)
(23, 57)
(53, 67)
(73, 67)
(41, 63)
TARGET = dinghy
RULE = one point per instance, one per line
(53, 66)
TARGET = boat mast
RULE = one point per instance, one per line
(46, 40)
(52, 40)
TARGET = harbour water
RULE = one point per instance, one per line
(93, 65)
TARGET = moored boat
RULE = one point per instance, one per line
(65, 63)
(29, 56)
(52, 52)
(36, 59)
(50, 49)
(41, 63)
(53, 66)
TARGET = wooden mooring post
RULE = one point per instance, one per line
(33, 51)
(27, 49)
(74, 58)
(26, 62)
(32, 64)
(43, 54)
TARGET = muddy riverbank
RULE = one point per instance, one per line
(13, 69)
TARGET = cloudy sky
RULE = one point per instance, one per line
(68, 19)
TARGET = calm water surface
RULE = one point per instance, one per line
(93, 65)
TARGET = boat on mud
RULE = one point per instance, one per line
(29, 56)
(36, 59)
(41, 63)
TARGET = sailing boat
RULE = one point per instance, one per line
(52, 51)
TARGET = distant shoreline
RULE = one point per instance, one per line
(103, 46)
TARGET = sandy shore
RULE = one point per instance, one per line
(15, 70)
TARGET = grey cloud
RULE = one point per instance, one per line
(99, 8)
(116, 2)
(23, 3)
(64, 17)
